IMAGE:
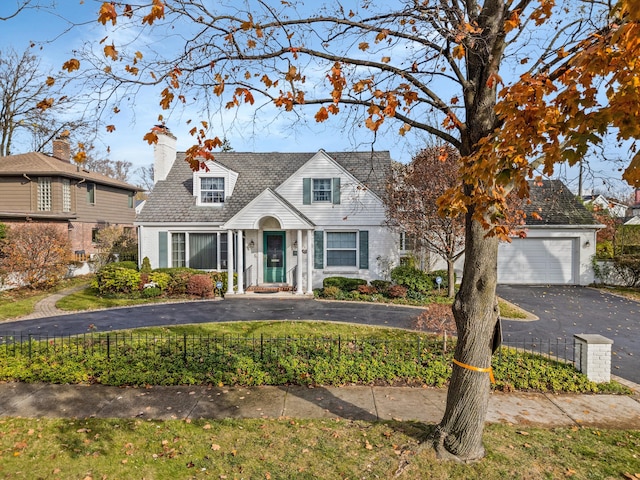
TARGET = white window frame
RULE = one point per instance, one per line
(220, 193)
(355, 249)
(44, 194)
(316, 190)
(181, 262)
(66, 195)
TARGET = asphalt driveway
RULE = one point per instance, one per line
(564, 311)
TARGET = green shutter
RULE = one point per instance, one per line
(163, 257)
(318, 250)
(306, 191)
(364, 249)
(336, 191)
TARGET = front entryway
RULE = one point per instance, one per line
(274, 257)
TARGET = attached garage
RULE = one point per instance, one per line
(538, 261)
(559, 244)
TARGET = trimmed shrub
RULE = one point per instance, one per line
(200, 285)
(367, 289)
(380, 285)
(397, 291)
(178, 282)
(113, 280)
(412, 279)
(161, 279)
(331, 292)
(222, 277)
(146, 265)
(151, 292)
(343, 283)
(126, 264)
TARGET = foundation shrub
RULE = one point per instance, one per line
(200, 285)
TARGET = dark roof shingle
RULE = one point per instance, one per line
(556, 205)
(172, 200)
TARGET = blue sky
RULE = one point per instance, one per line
(48, 29)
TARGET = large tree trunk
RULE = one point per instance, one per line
(459, 435)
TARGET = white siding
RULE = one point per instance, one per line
(358, 207)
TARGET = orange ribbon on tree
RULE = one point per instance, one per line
(476, 369)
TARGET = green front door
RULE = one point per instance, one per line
(274, 258)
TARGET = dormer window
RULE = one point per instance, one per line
(211, 190)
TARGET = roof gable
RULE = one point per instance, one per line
(269, 204)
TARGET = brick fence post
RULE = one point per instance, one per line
(592, 355)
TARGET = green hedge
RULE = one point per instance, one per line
(343, 283)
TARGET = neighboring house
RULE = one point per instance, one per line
(601, 203)
(559, 246)
(284, 220)
(635, 208)
(40, 188)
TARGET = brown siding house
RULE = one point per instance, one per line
(35, 187)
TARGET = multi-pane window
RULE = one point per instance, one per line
(44, 194)
(66, 195)
(91, 193)
(178, 253)
(321, 189)
(407, 242)
(212, 190)
(342, 249)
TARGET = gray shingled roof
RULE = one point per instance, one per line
(172, 200)
(555, 203)
(36, 163)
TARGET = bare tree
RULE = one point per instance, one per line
(33, 108)
(411, 199)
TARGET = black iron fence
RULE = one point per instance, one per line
(263, 348)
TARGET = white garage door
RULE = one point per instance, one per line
(536, 261)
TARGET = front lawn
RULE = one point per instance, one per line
(302, 449)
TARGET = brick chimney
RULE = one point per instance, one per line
(61, 148)
(164, 153)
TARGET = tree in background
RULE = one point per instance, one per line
(513, 86)
(38, 255)
(116, 169)
(33, 109)
(114, 243)
(411, 201)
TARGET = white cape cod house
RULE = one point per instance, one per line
(285, 220)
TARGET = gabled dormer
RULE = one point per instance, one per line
(213, 186)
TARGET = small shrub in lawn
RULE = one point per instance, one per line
(150, 292)
(200, 285)
(127, 264)
(343, 283)
(437, 318)
(397, 291)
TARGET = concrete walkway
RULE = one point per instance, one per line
(353, 403)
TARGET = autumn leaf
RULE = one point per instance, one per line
(458, 52)
(513, 22)
(45, 104)
(107, 13)
(111, 128)
(150, 138)
(71, 65)
(363, 46)
(386, 59)
(111, 52)
(157, 12)
(50, 81)
(322, 115)
(166, 98)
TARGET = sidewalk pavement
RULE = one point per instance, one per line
(352, 403)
